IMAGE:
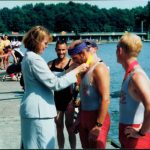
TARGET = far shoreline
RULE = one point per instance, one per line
(99, 43)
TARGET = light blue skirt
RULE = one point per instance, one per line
(38, 133)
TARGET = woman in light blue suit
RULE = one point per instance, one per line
(37, 108)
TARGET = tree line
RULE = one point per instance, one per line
(74, 17)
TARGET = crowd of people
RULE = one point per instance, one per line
(53, 90)
(7, 49)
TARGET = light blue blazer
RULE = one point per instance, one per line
(40, 83)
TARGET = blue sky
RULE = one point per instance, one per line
(100, 3)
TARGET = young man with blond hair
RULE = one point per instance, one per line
(134, 120)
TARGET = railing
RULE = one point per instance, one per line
(99, 36)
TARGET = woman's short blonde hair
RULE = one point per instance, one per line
(131, 44)
(32, 40)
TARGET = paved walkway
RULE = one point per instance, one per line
(10, 96)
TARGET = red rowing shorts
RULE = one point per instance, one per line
(133, 143)
(87, 122)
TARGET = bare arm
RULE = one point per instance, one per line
(141, 91)
(102, 82)
(43, 74)
(4, 55)
(13, 54)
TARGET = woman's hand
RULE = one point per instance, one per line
(82, 68)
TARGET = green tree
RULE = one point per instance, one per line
(75, 17)
(2, 27)
(5, 16)
(17, 20)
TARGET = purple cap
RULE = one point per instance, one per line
(79, 48)
(91, 43)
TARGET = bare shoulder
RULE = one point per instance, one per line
(50, 63)
(140, 83)
(101, 73)
(139, 87)
(101, 68)
(139, 78)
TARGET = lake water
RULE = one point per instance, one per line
(107, 52)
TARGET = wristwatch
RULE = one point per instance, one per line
(98, 124)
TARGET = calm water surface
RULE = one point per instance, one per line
(107, 52)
